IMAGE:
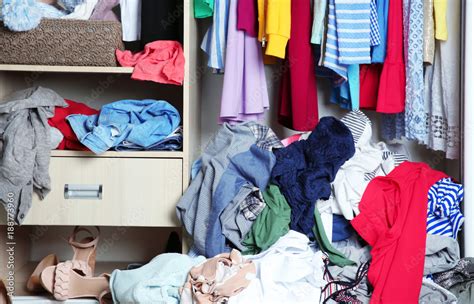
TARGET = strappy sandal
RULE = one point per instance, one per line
(85, 250)
(34, 283)
(83, 259)
(4, 297)
(65, 281)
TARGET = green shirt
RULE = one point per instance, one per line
(203, 8)
(271, 224)
(334, 255)
(274, 222)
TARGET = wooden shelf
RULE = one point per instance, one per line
(125, 154)
(65, 69)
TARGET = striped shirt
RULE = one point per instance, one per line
(444, 213)
(214, 42)
(348, 35)
(353, 31)
(331, 56)
(359, 124)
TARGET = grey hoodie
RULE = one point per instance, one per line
(24, 155)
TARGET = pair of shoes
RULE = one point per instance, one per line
(4, 298)
(73, 278)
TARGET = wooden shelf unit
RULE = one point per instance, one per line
(156, 204)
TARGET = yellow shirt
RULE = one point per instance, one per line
(274, 25)
(441, 27)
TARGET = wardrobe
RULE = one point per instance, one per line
(136, 192)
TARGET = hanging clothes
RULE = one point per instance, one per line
(244, 95)
(353, 31)
(374, 24)
(348, 42)
(369, 78)
(392, 220)
(441, 25)
(415, 113)
(130, 17)
(298, 107)
(379, 51)
(156, 23)
(428, 32)
(346, 95)
(274, 26)
(391, 95)
(442, 90)
(203, 8)
(319, 16)
(215, 40)
(247, 17)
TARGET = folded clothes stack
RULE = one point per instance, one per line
(37, 120)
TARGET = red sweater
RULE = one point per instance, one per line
(392, 220)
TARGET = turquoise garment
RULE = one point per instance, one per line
(379, 51)
(319, 13)
(203, 8)
(158, 281)
(346, 95)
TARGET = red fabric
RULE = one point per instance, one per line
(369, 77)
(392, 220)
(70, 141)
(161, 61)
(298, 93)
(391, 95)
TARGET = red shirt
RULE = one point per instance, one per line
(298, 108)
(70, 141)
(392, 219)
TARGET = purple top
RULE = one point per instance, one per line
(244, 95)
(247, 17)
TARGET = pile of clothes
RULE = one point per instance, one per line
(367, 223)
(36, 120)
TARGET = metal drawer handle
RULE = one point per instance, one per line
(76, 191)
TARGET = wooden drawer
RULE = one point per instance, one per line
(135, 192)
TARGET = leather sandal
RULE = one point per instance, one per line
(34, 283)
(4, 297)
(65, 281)
(82, 260)
(86, 249)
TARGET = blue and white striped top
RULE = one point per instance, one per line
(348, 38)
(444, 213)
(353, 31)
(214, 42)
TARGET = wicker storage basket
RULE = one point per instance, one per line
(63, 42)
